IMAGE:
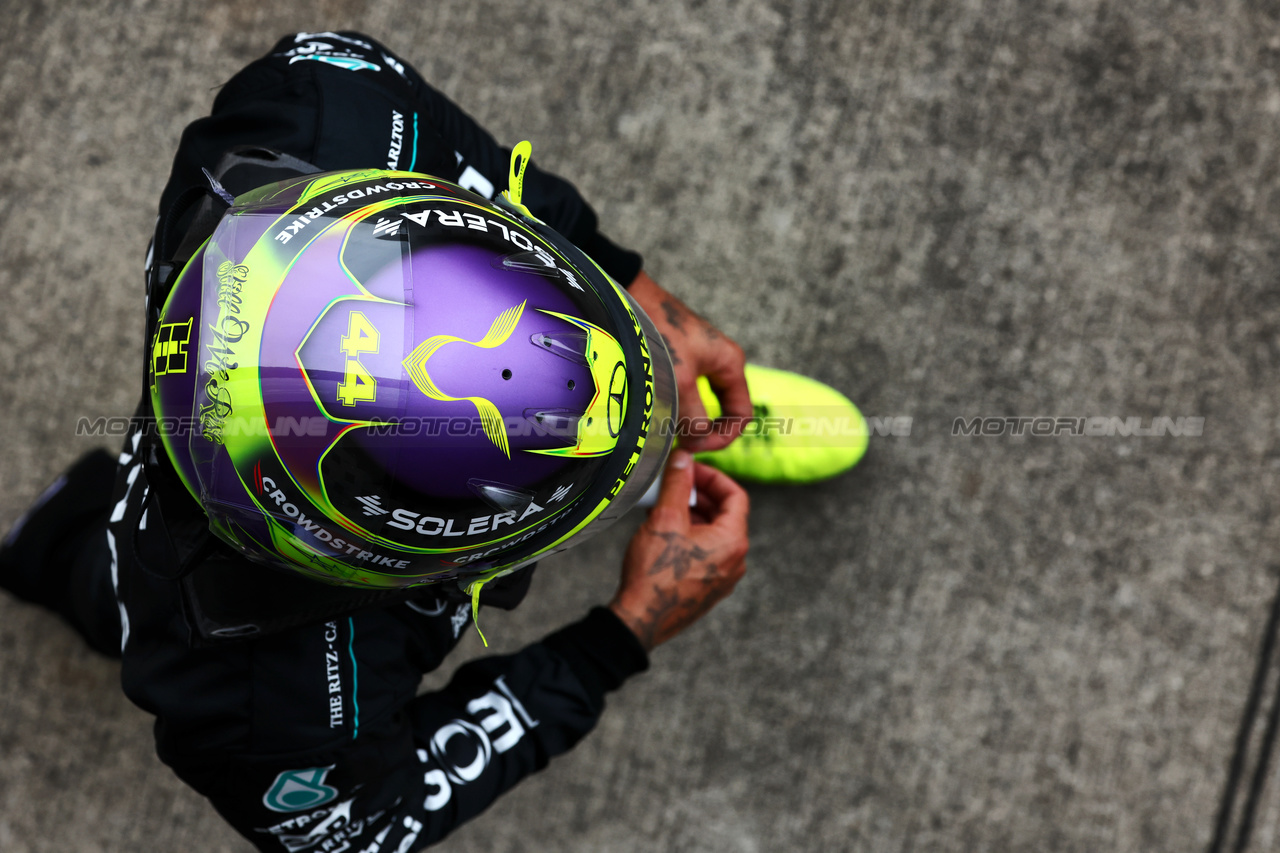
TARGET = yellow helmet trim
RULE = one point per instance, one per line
(416, 365)
(601, 424)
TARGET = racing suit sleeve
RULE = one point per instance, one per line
(314, 740)
(417, 775)
(344, 101)
(533, 705)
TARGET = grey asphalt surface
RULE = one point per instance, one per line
(944, 209)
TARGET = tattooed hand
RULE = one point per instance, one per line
(698, 349)
(683, 559)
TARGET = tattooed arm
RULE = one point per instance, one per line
(683, 559)
(698, 349)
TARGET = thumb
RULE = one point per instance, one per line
(694, 414)
(671, 511)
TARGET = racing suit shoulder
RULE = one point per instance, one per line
(345, 101)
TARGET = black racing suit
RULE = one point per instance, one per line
(290, 705)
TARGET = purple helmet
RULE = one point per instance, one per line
(381, 379)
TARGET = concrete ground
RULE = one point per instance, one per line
(947, 209)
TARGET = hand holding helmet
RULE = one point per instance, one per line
(683, 559)
(698, 349)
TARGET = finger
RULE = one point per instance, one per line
(730, 386)
(725, 498)
(704, 509)
(671, 511)
(714, 484)
(693, 419)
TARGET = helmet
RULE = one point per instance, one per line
(381, 379)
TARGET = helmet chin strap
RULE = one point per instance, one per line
(473, 589)
(515, 177)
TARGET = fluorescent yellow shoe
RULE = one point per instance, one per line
(802, 431)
